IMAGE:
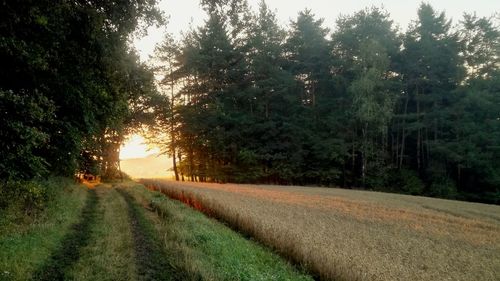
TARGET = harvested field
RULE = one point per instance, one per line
(357, 235)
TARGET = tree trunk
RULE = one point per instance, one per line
(435, 131)
(364, 159)
(267, 109)
(403, 134)
(353, 159)
(427, 160)
(172, 133)
(180, 161)
(397, 143)
(120, 166)
(191, 164)
(314, 95)
(174, 162)
(418, 150)
(418, 131)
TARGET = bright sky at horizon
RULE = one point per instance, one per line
(186, 12)
(136, 147)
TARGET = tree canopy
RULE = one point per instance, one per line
(364, 105)
(71, 86)
(243, 99)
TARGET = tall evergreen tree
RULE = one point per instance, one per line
(372, 108)
(267, 152)
(308, 59)
(433, 69)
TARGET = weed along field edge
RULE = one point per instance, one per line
(123, 231)
(340, 234)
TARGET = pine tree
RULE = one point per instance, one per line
(433, 69)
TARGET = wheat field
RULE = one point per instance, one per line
(340, 234)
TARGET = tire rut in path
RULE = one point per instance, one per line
(151, 260)
(69, 251)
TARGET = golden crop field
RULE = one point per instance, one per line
(343, 234)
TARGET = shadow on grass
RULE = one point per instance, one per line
(69, 250)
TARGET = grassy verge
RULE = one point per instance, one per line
(204, 249)
(109, 254)
(25, 245)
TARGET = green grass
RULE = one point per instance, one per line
(68, 251)
(128, 233)
(205, 249)
(109, 255)
(27, 243)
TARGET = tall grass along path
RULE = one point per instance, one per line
(69, 250)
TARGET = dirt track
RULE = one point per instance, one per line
(150, 259)
(69, 250)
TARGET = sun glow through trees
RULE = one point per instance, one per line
(136, 147)
(141, 160)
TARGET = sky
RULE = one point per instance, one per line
(135, 147)
(139, 160)
(184, 12)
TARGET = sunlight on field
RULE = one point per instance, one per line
(358, 235)
(153, 166)
(140, 160)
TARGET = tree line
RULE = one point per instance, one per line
(245, 100)
(364, 105)
(71, 87)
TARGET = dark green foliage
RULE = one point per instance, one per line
(405, 181)
(363, 106)
(364, 45)
(27, 195)
(23, 114)
(415, 113)
(70, 86)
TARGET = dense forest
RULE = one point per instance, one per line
(243, 99)
(364, 105)
(71, 88)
